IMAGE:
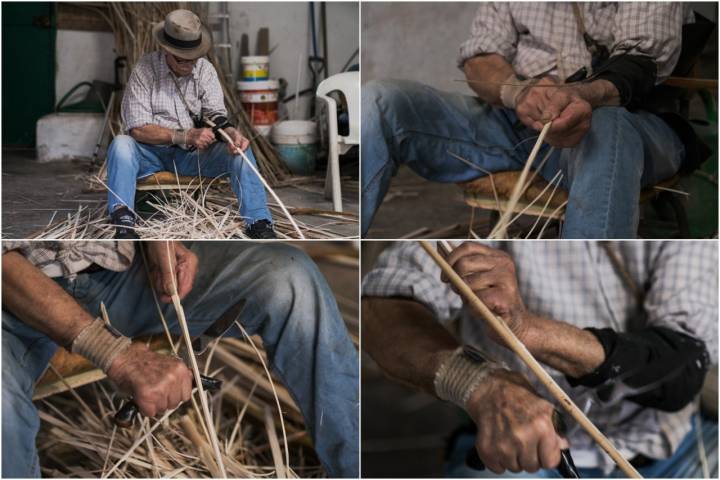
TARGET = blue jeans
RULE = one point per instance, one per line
(407, 123)
(288, 303)
(128, 160)
(683, 463)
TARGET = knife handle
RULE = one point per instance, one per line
(125, 416)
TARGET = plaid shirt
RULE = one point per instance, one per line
(66, 259)
(152, 98)
(542, 38)
(576, 282)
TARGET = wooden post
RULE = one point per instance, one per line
(518, 347)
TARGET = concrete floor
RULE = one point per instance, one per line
(33, 192)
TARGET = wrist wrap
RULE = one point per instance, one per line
(458, 377)
(511, 89)
(99, 344)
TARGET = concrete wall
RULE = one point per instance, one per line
(421, 41)
(84, 56)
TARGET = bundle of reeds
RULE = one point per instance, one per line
(78, 437)
(132, 22)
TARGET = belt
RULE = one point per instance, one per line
(93, 268)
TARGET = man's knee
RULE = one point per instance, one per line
(290, 277)
(606, 120)
(385, 93)
(122, 149)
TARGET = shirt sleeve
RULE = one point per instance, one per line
(493, 31)
(406, 270)
(136, 107)
(211, 94)
(683, 290)
(652, 29)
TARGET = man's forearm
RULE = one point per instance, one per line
(404, 338)
(153, 135)
(485, 75)
(598, 93)
(571, 350)
(38, 301)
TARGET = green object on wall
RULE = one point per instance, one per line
(28, 63)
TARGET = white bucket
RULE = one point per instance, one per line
(260, 100)
(255, 68)
(295, 142)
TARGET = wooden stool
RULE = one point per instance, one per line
(170, 181)
(492, 192)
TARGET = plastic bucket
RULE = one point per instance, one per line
(260, 101)
(255, 68)
(296, 142)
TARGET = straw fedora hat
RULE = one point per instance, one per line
(183, 35)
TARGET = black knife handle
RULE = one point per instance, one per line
(125, 416)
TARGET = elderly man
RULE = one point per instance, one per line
(587, 67)
(628, 330)
(167, 95)
(51, 296)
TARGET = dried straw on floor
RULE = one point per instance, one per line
(77, 440)
(204, 211)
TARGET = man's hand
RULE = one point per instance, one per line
(157, 382)
(515, 427)
(238, 139)
(570, 113)
(491, 275)
(162, 264)
(201, 138)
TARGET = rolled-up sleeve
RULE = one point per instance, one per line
(405, 270)
(211, 94)
(493, 31)
(652, 29)
(683, 290)
(136, 108)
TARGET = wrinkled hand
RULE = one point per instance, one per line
(515, 427)
(491, 275)
(238, 139)
(570, 113)
(156, 382)
(201, 138)
(184, 264)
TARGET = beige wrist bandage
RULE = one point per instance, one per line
(179, 137)
(458, 376)
(99, 344)
(512, 88)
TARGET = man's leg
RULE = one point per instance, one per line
(217, 161)
(127, 160)
(25, 355)
(291, 306)
(621, 153)
(409, 123)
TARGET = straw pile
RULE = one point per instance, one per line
(131, 23)
(201, 211)
(78, 438)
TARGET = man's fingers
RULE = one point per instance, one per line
(549, 452)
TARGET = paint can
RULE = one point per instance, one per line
(260, 101)
(255, 68)
(296, 143)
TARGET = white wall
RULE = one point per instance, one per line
(82, 57)
(418, 41)
(89, 55)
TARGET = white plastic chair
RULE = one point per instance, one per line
(349, 84)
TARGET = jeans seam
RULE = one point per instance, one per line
(612, 177)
